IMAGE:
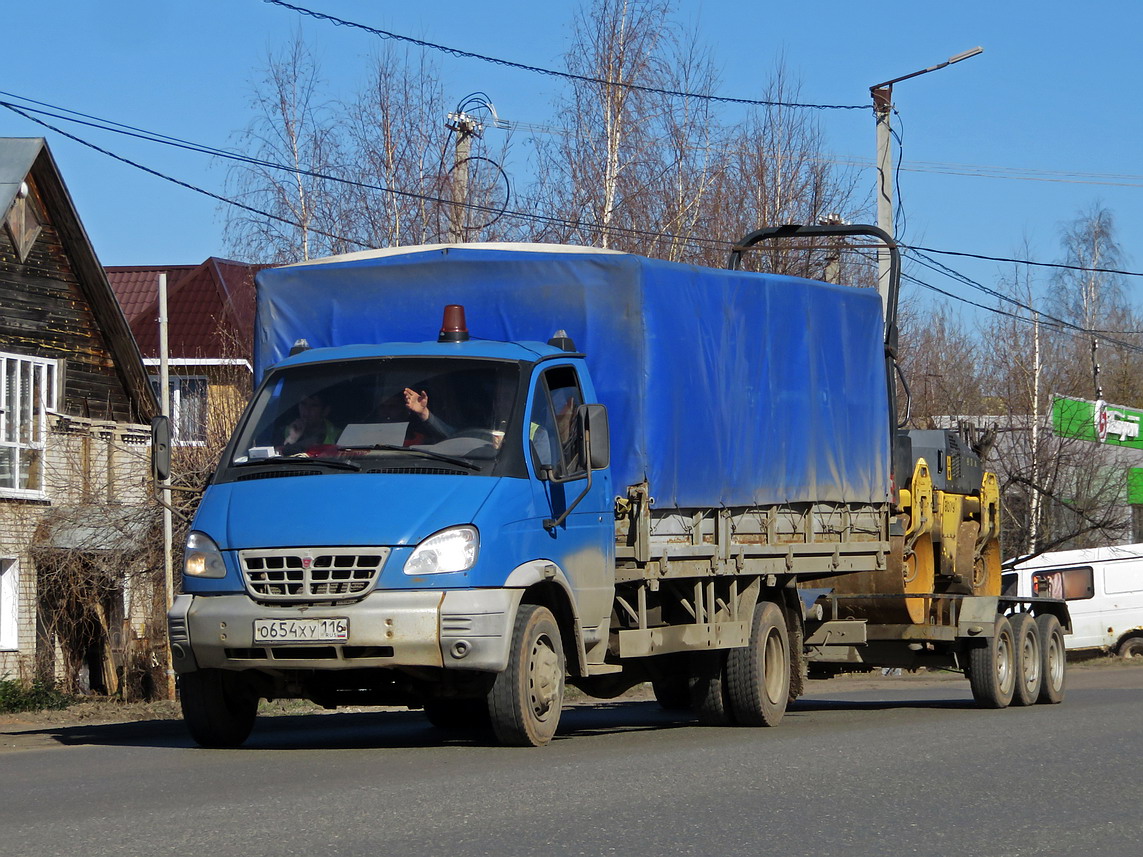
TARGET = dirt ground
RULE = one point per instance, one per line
(100, 711)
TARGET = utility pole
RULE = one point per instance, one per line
(165, 410)
(466, 127)
(833, 252)
(882, 107)
(882, 94)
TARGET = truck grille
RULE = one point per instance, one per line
(312, 574)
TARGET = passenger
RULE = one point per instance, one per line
(311, 428)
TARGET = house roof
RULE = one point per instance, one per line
(24, 157)
(210, 307)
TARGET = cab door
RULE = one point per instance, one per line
(583, 545)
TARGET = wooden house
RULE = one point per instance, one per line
(77, 517)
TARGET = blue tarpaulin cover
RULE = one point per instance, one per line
(723, 388)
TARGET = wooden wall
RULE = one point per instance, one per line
(45, 313)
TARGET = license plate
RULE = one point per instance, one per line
(301, 630)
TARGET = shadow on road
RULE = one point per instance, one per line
(409, 729)
(806, 705)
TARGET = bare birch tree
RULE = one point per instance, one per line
(292, 141)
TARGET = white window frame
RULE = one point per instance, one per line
(9, 604)
(176, 383)
(29, 393)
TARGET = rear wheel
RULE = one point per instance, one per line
(992, 668)
(1029, 659)
(1132, 647)
(673, 693)
(1055, 662)
(525, 701)
(218, 706)
(758, 675)
(708, 689)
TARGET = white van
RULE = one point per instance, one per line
(1104, 591)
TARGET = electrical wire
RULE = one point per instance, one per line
(113, 126)
(634, 87)
(917, 254)
(692, 241)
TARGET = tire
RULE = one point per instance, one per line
(218, 706)
(525, 701)
(992, 667)
(708, 689)
(1054, 672)
(1029, 659)
(673, 693)
(1132, 647)
(458, 715)
(758, 675)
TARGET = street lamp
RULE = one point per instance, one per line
(882, 106)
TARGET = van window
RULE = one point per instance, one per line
(1071, 584)
(1122, 578)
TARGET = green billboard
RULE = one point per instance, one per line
(1096, 421)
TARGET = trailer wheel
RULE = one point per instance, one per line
(1026, 644)
(218, 706)
(1055, 659)
(525, 701)
(1132, 647)
(758, 675)
(992, 668)
(708, 689)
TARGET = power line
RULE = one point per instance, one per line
(1042, 317)
(1061, 265)
(457, 52)
(689, 240)
(915, 252)
(100, 123)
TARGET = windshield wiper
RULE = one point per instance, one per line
(303, 460)
(388, 447)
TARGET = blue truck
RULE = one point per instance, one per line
(598, 469)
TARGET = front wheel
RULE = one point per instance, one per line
(218, 706)
(525, 701)
(992, 667)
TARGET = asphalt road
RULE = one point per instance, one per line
(890, 767)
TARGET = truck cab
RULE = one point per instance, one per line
(369, 579)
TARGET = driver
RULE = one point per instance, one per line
(418, 405)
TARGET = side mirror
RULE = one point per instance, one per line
(161, 448)
(597, 434)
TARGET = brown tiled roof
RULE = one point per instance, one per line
(210, 307)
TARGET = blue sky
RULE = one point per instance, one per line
(1052, 97)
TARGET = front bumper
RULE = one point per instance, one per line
(454, 629)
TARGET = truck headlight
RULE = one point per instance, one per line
(202, 558)
(454, 549)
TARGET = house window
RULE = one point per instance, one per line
(29, 391)
(188, 409)
(9, 609)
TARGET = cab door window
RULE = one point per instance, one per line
(554, 432)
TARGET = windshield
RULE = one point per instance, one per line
(366, 413)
